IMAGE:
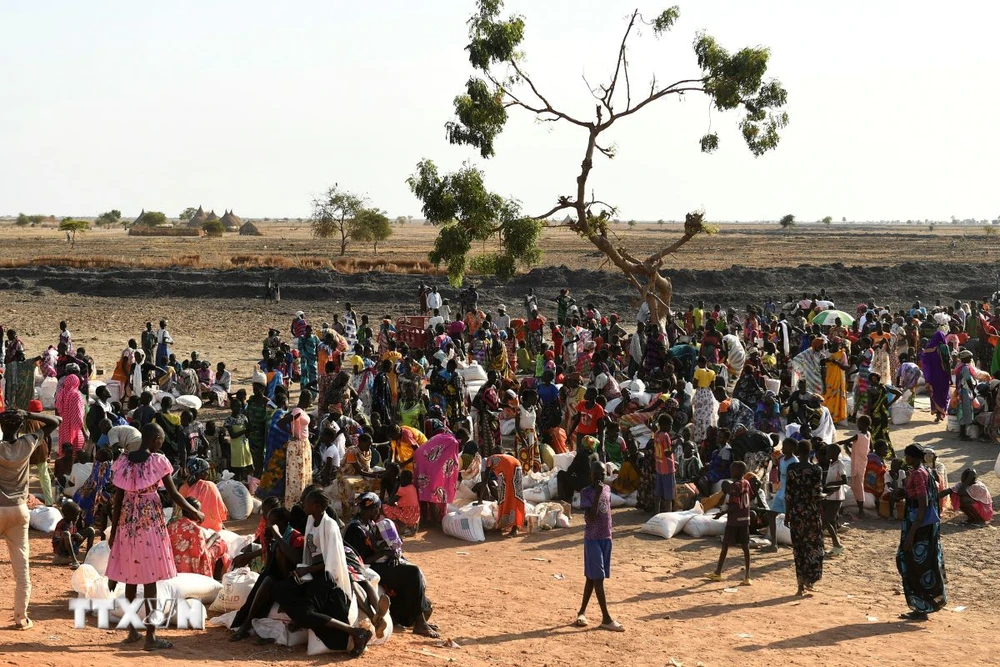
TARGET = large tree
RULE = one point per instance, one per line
(334, 213)
(109, 218)
(733, 82)
(371, 225)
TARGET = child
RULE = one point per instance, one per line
(858, 447)
(69, 534)
(666, 465)
(690, 467)
(737, 520)
(142, 554)
(238, 457)
(595, 500)
(973, 498)
(403, 506)
(836, 480)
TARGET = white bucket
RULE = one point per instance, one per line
(47, 393)
(952, 425)
(772, 385)
(115, 388)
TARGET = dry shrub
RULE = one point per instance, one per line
(261, 262)
(164, 231)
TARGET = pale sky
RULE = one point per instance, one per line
(257, 106)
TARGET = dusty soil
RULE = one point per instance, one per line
(521, 612)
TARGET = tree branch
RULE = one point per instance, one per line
(670, 90)
(608, 153)
(669, 250)
(548, 107)
(609, 92)
(564, 203)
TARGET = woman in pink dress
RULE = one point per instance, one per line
(140, 545)
(70, 406)
(436, 465)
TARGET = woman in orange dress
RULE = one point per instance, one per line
(506, 470)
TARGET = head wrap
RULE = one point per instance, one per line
(35, 406)
(965, 355)
(258, 377)
(591, 443)
(915, 451)
(196, 467)
(369, 499)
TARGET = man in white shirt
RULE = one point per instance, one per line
(433, 299)
(503, 319)
(435, 320)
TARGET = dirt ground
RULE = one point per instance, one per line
(520, 613)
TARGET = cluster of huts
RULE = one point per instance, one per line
(229, 220)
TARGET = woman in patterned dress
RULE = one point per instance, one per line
(506, 470)
(805, 518)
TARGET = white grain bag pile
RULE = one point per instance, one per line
(668, 524)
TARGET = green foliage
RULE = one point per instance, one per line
(467, 212)
(631, 224)
(151, 219)
(828, 220)
(989, 230)
(73, 226)
(187, 213)
(370, 225)
(710, 142)
(665, 21)
(930, 227)
(214, 228)
(25, 220)
(481, 117)
(787, 222)
(109, 218)
(738, 79)
(492, 40)
(333, 213)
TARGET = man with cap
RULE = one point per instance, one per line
(503, 319)
(15, 456)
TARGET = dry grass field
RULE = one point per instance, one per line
(290, 245)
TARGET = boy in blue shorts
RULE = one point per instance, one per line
(595, 500)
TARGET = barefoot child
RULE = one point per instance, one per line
(70, 533)
(858, 447)
(666, 465)
(595, 500)
(737, 514)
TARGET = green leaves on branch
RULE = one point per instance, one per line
(481, 117)
(734, 80)
(492, 40)
(710, 142)
(371, 225)
(467, 212)
(665, 21)
(151, 219)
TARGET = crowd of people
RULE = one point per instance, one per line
(354, 434)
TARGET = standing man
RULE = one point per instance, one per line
(503, 319)
(433, 299)
(530, 302)
(563, 303)
(15, 455)
(422, 297)
(149, 343)
(445, 311)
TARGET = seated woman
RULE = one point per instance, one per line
(402, 580)
(282, 548)
(403, 504)
(973, 498)
(319, 594)
(94, 495)
(206, 493)
(193, 551)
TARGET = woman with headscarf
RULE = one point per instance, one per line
(919, 558)
(436, 471)
(804, 516)
(205, 492)
(376, 544)
(835, 381)
(70, 406)
(381, 392)
(705, 407)
(935, 362)
(965, 389)
(496, 360)
(506, 472)
(272, 482)
(487, 404)
(808, 365)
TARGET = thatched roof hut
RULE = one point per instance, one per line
(231, 221)
(138, 221)
(249, 229)
(198, 219)
(211, 216)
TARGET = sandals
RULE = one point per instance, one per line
(713, 576)
(613, 626)
(581, 621)
(914, 616)
(26, 624)
(157, 645)
(747, 582)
